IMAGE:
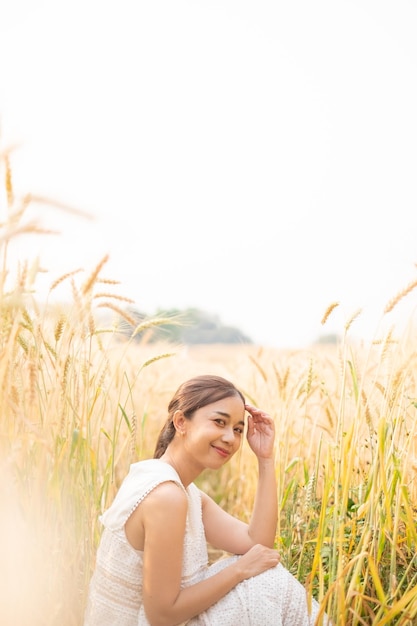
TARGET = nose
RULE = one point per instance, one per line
(228, 435)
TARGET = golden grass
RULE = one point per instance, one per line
(79, 402)
(329, 311)
(399, 296)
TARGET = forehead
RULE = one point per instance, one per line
(232, 407)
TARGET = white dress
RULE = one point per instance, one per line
(273, 598)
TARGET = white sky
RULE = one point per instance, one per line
(255, 159)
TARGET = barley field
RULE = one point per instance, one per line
(79, 402)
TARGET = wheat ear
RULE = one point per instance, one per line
(328, 311)
(394, 301)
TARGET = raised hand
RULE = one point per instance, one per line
(261, 432)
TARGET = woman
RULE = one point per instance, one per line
(152, 559)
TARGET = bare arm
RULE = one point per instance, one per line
(230, 534)
(261, 437)
(163, 517)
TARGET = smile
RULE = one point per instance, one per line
(222, 452)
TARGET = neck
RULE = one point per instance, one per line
(181, 465)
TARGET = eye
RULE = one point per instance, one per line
(219, 421)
(239, 430)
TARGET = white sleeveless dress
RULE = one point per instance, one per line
(273, 598)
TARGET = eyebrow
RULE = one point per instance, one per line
(227, 416)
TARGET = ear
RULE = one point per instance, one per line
(179, 421)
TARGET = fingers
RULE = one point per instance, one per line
(252, 409)
(273, 556)
(258, 416)
(260, 558)
(255, 412)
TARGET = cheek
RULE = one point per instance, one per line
(238, 441)
(198, 436)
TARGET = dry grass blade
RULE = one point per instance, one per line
(259, 368)
(57, 205)
(30, 228)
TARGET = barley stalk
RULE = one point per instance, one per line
(394, 301)
(109, 305)
(62, 278)
(113, 296)
(8, 181)
(353, 317)
(88, 285)
(146, 325)
(328, 311)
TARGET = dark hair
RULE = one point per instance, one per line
(190, 396)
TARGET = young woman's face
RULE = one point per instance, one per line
(215, 432)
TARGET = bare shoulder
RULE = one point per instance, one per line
(167, 501)
(166, 504)
(167, 495)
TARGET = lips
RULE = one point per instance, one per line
(222, 452)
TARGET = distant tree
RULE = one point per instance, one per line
(192, 326)
(331, 338)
